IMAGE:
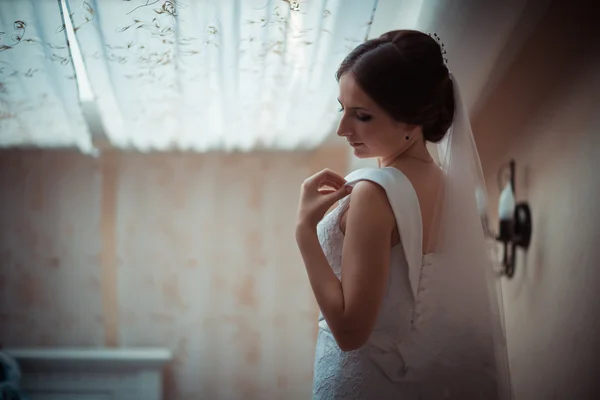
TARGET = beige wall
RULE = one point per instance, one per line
(544, 113)
(195, 253)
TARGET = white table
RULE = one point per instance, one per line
(91, 374)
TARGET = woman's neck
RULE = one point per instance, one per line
(418, 151)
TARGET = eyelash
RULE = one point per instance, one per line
(365, 118)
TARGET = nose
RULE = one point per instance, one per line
(343, 129)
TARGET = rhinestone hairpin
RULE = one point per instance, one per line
(439, 42)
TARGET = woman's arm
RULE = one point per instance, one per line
(351, 306)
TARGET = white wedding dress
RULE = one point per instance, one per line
(390, 365)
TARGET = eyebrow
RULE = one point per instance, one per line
(353, 108)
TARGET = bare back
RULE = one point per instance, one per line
(427, 180)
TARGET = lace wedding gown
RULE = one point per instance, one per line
(389, 366)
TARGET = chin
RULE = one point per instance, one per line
(361, 151)
(362, 156)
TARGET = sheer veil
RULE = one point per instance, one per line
(459, 329)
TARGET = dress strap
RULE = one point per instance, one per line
(405, 205)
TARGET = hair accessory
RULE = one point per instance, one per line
(439, 42)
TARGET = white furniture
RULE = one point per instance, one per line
(91, 374)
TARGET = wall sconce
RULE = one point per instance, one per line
(515, 222)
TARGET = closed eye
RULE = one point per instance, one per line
(363, 117)
(359, 116)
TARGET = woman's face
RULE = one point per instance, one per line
(368, 129)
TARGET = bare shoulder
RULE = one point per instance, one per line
(369, 205)
(365, 259)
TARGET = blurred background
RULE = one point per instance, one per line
(153, 150)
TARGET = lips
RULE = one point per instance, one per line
(356, 144)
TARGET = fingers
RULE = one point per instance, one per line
(327, 176)
(330, 184)
(339, 194)
(327, 191)
(330, 176)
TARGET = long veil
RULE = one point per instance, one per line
(460, 334)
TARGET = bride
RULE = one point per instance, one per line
(410, 306)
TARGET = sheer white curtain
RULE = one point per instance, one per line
(217, 74)
(39, 103)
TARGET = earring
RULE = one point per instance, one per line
(407, 137)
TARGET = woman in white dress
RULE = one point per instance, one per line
(400, 269)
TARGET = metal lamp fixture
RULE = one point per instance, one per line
(515, 222)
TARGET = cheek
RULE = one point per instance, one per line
(377, 135)
(384, 140)
(380, 134)
(393, 138)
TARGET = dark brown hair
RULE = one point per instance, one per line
(404, 73)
